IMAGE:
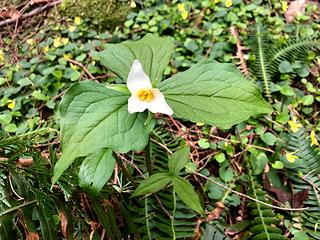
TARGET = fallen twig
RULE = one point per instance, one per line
(30, 14)
(239, 54)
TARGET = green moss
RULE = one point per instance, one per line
(103, 14)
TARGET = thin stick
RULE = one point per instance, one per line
(244, 195)
(30, 14)
(82, 66)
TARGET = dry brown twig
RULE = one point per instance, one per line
(242, 63)
(30, 14)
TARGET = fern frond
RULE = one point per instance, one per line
(293, 49)
(260, 47)
(264, 224)
(304, 174)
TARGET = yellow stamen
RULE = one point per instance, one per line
(145, 95)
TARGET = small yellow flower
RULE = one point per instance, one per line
(294, 125)
(73, 66)
(46, 49)
(11, 104)
(184, 12)
(57, 42)
(215, 1)
(64, 41)
(291, 157)
(30, 41)
(67, 56)
(77, 20)
(1, 56)
(199, 124)
(284, 5)
(72, 28)
(228, 3)
(133, 4)
(313, 137)
(181, 7)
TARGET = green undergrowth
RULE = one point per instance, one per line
(251, 160)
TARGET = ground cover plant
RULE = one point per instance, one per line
(227, 147)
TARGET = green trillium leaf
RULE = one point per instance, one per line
(213, 93)
(153, 52)
(95, 117)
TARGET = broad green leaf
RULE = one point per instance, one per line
(203, 143)
(179, 159)
(269, 138)
(214, 93)
(259, 162)
(277, 165)
(285, 67)
(152, 184)
(96, 169)
(186, 193)
(220, 157)
(153, 56)
(94, 117)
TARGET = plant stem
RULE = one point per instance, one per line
(126, 173)
(148, 158)
(17, 207)
(147, 217)
(173, 214)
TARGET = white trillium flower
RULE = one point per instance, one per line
(143, 95)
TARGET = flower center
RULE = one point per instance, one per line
(145, 94)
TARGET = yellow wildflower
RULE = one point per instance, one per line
(313, 137)
(215, 1)
(73, 66)
(133, 4)
(46, 49)
(291, 157)
(284, 5)
(11, 104)
(57, 42)
(228, 3)
(184, 12)
(67, 56)
(1, 56)
(30, 41)
(64, 41)
(77, 20)
(294, 125)
(181, 7)
(72, 28)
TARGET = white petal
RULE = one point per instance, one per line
(159, 104)
(137, 79)
(136, 105)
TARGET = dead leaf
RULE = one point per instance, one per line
(296, 200)
(64, 224)
(10, 12)
(296, 7)
(25, 161)
(32, 236)
(215, 213)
